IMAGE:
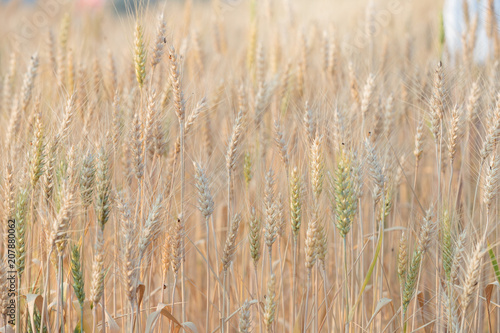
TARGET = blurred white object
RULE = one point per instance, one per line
(6, 329)
(454, 20)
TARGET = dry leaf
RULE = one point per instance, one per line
(140, 292)
(34, 300)
(164, 310)
(381, 303)
(488, 291)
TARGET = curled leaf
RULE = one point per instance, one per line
(381, 303)
(34, 300)
(161, 310)
(141, 288)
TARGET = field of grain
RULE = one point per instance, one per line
(247, 166)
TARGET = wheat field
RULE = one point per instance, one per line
(247, 166)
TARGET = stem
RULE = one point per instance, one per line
(307, 297)
(228, 199)
(228, 305)
(59, 291)
(94, 313)
(316, 297)
(207, 325)
(294, 279)
(361, 241)
(61, 286)
(114, 268)
(325, 283)
(416, 291)
(18, 303)
(30, 238)
(477, 186)
(68, 308)
(103, 310)
(215, 238)
(85, 217)
(132, 313)
(258, 297)
(162, 297)
(413, 198)
(375, 278)
(151, 255)
(346, 285)
(228, 226)
(223, 313)
(183, 291)
(401, 290)
(281, 284)
(437, 282)
(173, 299)
(448, 284)
(45, 299)
(449, 185)
(462, 325)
